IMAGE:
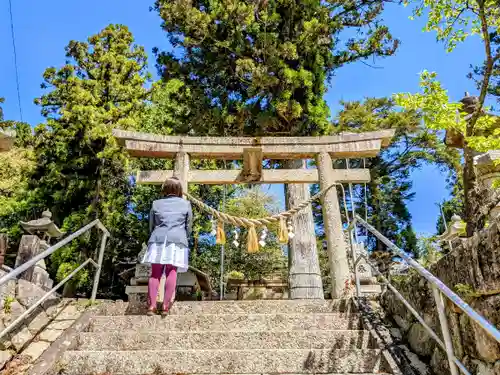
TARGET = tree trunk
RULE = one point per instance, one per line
(471, 199)
(303, 263)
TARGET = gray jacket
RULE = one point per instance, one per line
(170, 221)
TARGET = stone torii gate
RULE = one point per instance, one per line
(253, 151)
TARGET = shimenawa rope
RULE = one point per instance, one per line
(253, 245)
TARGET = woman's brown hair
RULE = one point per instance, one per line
(172, 188)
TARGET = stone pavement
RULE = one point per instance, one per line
(27, 343)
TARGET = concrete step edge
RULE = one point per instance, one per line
(148, 332)
(194, 307)
(225, 361)
(333, 314)
(230, 322)
(144, 340)
(232, 351)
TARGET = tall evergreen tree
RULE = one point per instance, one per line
(260, 68)
(80, 173)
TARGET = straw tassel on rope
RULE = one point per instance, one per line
(283, 231)
(220, 238)
(252, 240)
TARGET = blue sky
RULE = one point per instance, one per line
(44, 28)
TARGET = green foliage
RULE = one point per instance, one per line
(455, 20)
(16, 167)
(7, 304)
(399, 279)
(80, 172)
(466, 291)
(254, 203)
(428, 252)
(168, 110)
(440, 113)
(236, 275)
(479, 130)
(260, 67)
(389, 191)
(80, 279)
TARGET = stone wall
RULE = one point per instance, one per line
(473, 271)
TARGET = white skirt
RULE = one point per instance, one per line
(173, 254)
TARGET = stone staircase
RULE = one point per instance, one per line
(245, 337)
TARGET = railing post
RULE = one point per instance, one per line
(99, 267)
(445, 329)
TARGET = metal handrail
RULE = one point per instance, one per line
(32, 262)
(439, 289)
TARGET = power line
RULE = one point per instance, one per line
(15, 60)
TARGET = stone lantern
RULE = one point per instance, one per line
(455, 229)
(454, 138)
(40, 231)
(44, 228)
(488, 171)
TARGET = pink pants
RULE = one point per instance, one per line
(154, 284)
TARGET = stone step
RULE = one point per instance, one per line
(223, 361)
(248, 307)
(230, 322)
(225, 340)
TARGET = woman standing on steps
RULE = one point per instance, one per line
(170, 224)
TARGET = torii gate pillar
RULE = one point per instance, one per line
(332, 221)
(181, 169)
